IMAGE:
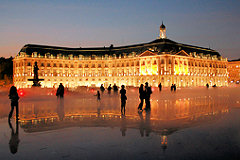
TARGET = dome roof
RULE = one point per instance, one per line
(162, 26)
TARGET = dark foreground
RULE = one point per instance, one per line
(188, 124)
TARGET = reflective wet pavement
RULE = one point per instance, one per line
(188, 124)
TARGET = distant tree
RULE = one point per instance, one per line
(6, 68)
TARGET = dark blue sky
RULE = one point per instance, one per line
(73, 23)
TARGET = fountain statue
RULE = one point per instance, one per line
(35, 78)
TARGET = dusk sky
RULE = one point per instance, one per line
(95, 23)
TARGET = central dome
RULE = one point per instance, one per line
(162, 26)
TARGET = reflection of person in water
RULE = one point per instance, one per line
(141, 125)
(13, 96)
(145, 125)
(123, 128)
(148, 123)
(164, 142)
(14, 141)
(60, 109)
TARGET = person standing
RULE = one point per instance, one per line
(60, 91)
(141, 96)
(160, 86)
(115, 88)
(102, 88)
(123, 99)
(13, 96)
(174, 87)
(207, 85)
(98, 96)
(148, 92)
(109, 89)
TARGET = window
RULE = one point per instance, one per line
(48, 64)
(54, 65)
(60, 65)
(80, 66)
(66, 65)
(28, 64)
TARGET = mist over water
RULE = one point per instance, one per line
(191, 123)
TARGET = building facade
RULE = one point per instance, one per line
(234, 71)
(160, 61)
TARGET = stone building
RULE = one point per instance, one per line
(159, 61)
(234, 71)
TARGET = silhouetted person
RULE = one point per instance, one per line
(207, 85)
(102, 88)
(174, 87)
(60, 91)
(13, 96)
(14, 140)
(109, 89)
(115, 88)
(98, 96)
(148, 92)
(123, 99)
(160, 87)
(214, 85)
(123, 128)
(141, 96)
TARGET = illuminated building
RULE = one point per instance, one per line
(160, 61)
(234, 71)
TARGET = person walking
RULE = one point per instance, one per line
(60, 91)
(123, 99)
(141, 96)
(160, 86)
(148, 92)
(13, 96)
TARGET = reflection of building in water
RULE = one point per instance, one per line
(234, 71)
(161, 60)
(164, 114)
